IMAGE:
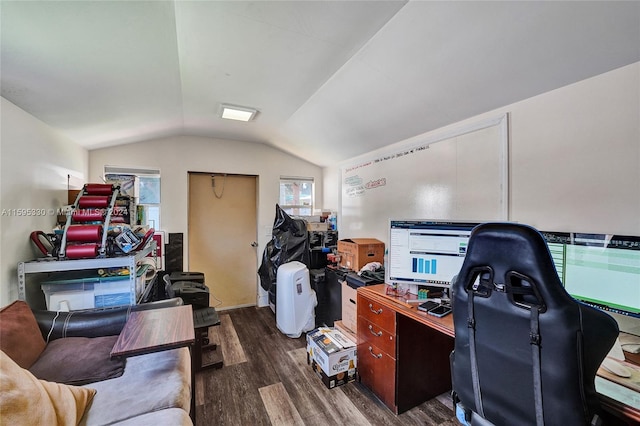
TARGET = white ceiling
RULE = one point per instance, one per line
(331, 79)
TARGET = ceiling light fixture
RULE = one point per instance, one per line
(240, 113)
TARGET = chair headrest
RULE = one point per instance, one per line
(512, 251)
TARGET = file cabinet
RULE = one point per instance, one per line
(403, 361)
(377, 349)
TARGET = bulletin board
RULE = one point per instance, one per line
(461, 174)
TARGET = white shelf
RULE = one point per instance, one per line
(53, 265)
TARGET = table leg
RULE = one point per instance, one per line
(202, 345)
(192, 411)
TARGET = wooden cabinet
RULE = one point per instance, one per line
(402, 359)
(377, 349)
(403, 354)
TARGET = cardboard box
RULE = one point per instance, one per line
(349, 307)
(332, 356)
(339, 325)
(335, 380)
(70, 300)
(357, 252)
(317, 226)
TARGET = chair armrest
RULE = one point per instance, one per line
(94, 322)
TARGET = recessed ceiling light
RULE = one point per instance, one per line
(240, 113)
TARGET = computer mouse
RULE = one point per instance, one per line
(616, 368)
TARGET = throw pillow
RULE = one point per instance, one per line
(29, 401)
(20, 336)
(83, 360)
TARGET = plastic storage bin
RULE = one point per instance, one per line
(68, 297)
(72, 291)
(295, 300)
(113, 293)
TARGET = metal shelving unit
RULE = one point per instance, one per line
(52, 265)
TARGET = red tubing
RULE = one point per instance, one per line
(88, 215)
(84, 233)
(35, 238)
(81, 251)
(146, 239)
(98, 188)
(93, 201)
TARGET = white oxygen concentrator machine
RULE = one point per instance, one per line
(295, 300)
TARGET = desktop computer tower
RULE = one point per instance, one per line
(333, 294)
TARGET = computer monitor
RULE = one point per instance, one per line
(426, 252)
(598, 269)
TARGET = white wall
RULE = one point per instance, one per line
(35, 163)
(176, 156)
(575, 156)
(574, 165)
(331, 185)
(574, 160)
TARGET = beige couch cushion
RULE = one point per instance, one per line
(27, 400)
(168, 417)
(150, 383)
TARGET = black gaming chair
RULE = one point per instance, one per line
(526, 352)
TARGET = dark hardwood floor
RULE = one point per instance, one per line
(266, 381)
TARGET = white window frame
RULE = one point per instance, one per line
(289, 208)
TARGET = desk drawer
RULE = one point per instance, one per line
(377, 371)
(371, 333)
(377, 314)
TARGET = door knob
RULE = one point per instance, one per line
(254, 244)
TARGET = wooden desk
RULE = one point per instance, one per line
(620, 396)
(155, 330)
(405, 363)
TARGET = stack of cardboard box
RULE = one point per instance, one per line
(332, 356)
(354, 254)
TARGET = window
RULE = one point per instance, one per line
(296, 196)
(143, 185)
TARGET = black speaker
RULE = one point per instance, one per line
(173, 253)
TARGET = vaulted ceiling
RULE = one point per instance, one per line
(331, 79)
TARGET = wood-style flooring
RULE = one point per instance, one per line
(266, 381)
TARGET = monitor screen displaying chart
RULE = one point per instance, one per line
(426, 252)
(599, 269)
